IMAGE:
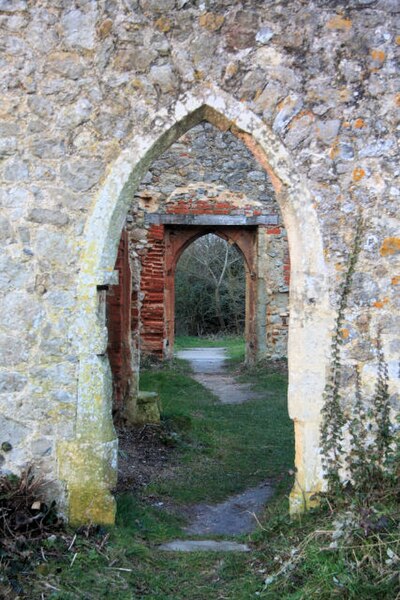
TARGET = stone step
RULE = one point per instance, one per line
(203, 546)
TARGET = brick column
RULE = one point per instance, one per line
(152, 288)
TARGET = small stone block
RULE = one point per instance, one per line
(147, 408)
(203, 546)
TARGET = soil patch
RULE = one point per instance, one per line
(144, 455)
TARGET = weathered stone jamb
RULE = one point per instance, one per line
(310, 316)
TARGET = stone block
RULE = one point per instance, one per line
(143, 409)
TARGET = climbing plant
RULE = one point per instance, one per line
(333, 419)
(371, 449)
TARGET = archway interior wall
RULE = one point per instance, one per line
(208, 171)
(271, 299)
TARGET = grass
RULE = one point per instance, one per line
(228, 447)
(221, 450)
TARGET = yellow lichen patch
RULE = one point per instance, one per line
(90, 505)
(345, 333)
(211, 21)
(358, 174)
(396, 280)
(334, 150)
(104, 28)
(380, 303)
(397, 40)
(344, 95)
(397, 100)
(163, 24)
(346, 124)
(340, 23)
(378, 55)
(359, 123)
(231, 71)
(391, 245)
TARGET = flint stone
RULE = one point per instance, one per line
(241, 31)
(75, 115)
(11, 382)
(345, 151)
(11, 6)
(11, 431)
(158, 6)
(134, 59)
(40, 106)
(327, 130)
(365, 290)
(80, 175)
(5, 229)
(163, 77)
(379, 148)
(8, 146)
(16, 170)
(264, 35)
(298, 131)
(21, 312)
(52, 247)
(46, 148)
(12, 351)
(9, 128)
(289, 109)
(51, 217)
(79, 28)
(14, 274)
(67, 64)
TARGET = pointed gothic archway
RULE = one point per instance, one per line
(88, 463)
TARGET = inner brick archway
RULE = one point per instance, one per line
(177, 239)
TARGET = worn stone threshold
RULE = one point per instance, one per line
(203, 546)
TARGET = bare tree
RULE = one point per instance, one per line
(210, 288)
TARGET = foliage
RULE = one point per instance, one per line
(25, 521)
(210, 288)
(333, 419)
(369, 456)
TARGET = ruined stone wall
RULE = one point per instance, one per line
(148, 251)
(206, 155)
(208, 171)
(90, 89)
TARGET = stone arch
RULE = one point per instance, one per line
(88, 463)
(244, 239)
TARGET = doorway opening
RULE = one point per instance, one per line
(210, 289)
(310, 315)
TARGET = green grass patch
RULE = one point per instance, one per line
(228, 447)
